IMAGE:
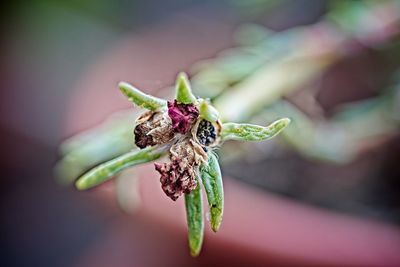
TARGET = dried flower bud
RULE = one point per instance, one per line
(176, 180)
(153, 128)
(180, 175)
(182, 116)
(189, 152)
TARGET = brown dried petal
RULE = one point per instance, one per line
(153, 128)
(143, 140)
(176, 180)
(189, 152)
(179, 175)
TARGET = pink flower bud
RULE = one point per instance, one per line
(182, 116)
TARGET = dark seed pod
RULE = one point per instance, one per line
(207, 133)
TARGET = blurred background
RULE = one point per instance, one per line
(325, 193)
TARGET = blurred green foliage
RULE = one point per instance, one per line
(272, 74)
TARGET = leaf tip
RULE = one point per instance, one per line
(215, 227)
(216, 217)
(127, 89)
(283, 123)
(80, 184)
(182, 81)
(195, 251)
(123, 86)
(182, 76)
(207, 111)
(279, 125)
(140, 98)
(183, 89)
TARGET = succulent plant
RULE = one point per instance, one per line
(250, 82)
(188, 130)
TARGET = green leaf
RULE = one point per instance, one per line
(195, 220)
(97, 145)
(109, 169)
(184, 93)
(212, 182)
(141, 99)
(251, 132)
(208, 112)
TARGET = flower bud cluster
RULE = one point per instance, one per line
(189, 136)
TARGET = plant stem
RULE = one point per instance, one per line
(195, 220)
(109, 169)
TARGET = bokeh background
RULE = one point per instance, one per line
(325, 193)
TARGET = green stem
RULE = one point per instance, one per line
(251, 132)
(109, 169)
(195, 220)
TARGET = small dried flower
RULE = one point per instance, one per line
(189, 151)
(176, 180)
(180, 175)
(153, 128)
(182, 116)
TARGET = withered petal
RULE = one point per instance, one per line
(182, 116)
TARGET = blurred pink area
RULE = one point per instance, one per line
(258, 229)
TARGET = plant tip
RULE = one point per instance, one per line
(284, 122)
(80, 185)
(183, 89)
(123, 86)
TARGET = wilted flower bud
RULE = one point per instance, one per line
(182, 116)
(180, 175)
(153, 128)
(176, 180)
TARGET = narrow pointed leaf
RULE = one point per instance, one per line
(183, 89)
(251, 132)
(95, 146)
(208, 112)
(212, 182)
(141, 99)
(109, 169)
(195, 220)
